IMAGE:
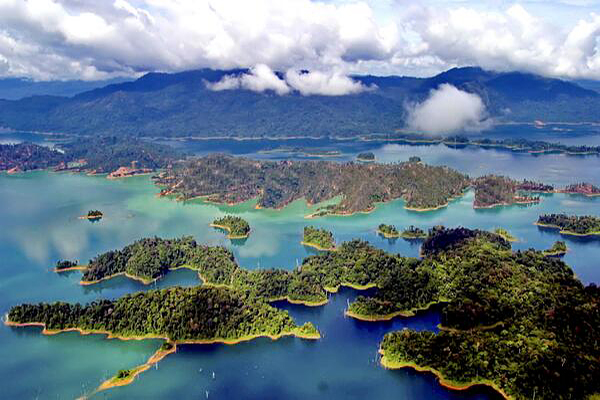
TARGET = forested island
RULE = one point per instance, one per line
(237, 227)
(226, 179)
(67, 265)
(506, 235)
(585, 225)
(93, 215)
(413, 232)
(558, 249)
(513, 144)
(518, 321)
(493, 190)
(320, 239)
(388, 231)
(366, 157)
(586, 189)
(97, 154)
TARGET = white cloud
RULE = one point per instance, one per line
(448, 110)
(60, 39)
(262, 78)
(323, 83)
(258, 79)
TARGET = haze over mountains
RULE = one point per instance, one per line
(182, 104)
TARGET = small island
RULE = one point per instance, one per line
(388, 231)
(586, 189)
(585, 225)
(366, 157)
(236, 227)
(505, 234)
(558, 249)
(413, 233)
(493, 191)
(93, 215)
(321, 239)
(67, 265)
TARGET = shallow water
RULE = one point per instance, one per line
(39, 225)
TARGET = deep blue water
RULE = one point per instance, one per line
(38, 225)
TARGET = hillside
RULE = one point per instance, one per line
(160, 104)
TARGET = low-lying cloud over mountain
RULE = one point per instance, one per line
(262, 78)
(448, 110)
(67, 39)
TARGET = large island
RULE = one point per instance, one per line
(226, 179)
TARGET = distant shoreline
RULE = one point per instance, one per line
(565, 232)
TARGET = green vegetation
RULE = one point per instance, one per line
(388, 231)
(413, 232)
(505, 234)
(28, 156)
(520, 321)
(94, 214)
(582, 188)
(151, 258)
(179, 314)
(367, 156)
(322, 239)
(99, 154)
(493, 190)
(65, 264)
(559, 248)
(237, 227)
(124, 374)
(226, 179)
(571, 224)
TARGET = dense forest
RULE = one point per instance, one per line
(236, 226)
(179, 314)
(519, 320)
(413, 232)
(151, 258)
(559, 248)
(100, 154)
(227, 179)
(571, 224)
(28, 156)
(181, 105)
(319, 238)
(494, 190)
(366, 156)
(582, 188)
(388, 231)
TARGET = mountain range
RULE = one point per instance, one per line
(180, 104)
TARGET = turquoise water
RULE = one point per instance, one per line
(39, 225)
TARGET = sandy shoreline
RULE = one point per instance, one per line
(316, 246)
(452, 385)
(228, 229)
(563, 232)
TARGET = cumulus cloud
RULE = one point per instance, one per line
(323, 83)
(258, 79)
(448, 110)
(262, 78)
(63, 39)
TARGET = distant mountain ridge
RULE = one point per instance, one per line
(18, 88)
(179, 104)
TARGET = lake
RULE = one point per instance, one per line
(39, 225)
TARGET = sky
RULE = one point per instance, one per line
(100, 39)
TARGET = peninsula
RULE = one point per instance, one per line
(586, 225)
(493, 191)
(320, 239)
(237, 227)
(506, 235)
(558, 249)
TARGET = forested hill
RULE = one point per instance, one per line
(180, 104)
